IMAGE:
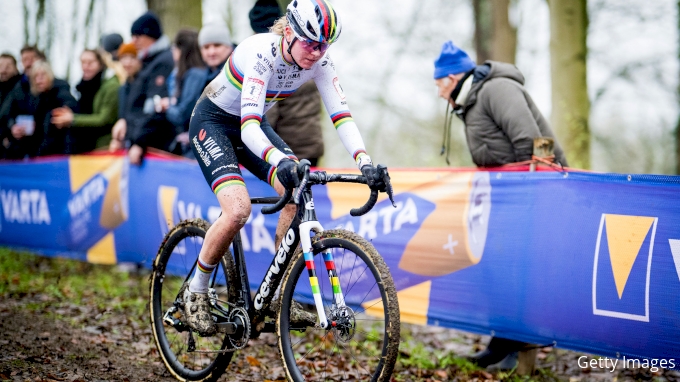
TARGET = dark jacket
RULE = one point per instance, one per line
(192, 84)
(46, 138)
(88, 129)
(297, 120)
(145, 127)
(7, 86)
(55, 140)
(501, 119)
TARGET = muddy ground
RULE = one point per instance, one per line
(68, 321)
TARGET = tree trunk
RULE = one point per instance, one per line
(568, 55)
(177, 14)
(495, 37)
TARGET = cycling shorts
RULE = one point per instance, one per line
(215, 138)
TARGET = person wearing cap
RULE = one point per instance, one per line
(296, 119)
(145, 126)
(501, 122)
(500, 117)
(110, 44)
(216, 47)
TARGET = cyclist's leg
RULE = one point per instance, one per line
(267, 173)
(211, 145)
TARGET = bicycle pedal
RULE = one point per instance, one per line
(269, 327)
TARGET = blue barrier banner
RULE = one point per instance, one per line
(590, 262)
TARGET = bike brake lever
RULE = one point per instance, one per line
(303, 171)
(385, 176)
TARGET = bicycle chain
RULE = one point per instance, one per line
(246, 332)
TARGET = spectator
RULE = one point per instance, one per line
(20, 91)
(501, 120)
(97, 108)
(145, 126)
(29, 55)
(9, 75)
(185, 85)
(296, 119)
(216, 47)
(131, 64)
(110, 44)
(29, 118)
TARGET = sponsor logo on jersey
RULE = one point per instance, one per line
(201, 153)
(213, 149)
(214, 94)
(259, 68)
(201, 135)
(249, 105)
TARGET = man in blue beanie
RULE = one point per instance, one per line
(145, 127)
(501, 120)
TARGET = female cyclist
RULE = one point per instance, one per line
(228, 127)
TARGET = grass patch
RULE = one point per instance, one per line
(67, 281)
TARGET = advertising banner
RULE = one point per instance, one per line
(586, 261)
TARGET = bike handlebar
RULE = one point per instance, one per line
(279, 205)
(320, 177)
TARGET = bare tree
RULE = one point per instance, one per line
(177, 14)
(495, 36)
(570, 103)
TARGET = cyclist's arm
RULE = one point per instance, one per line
(334, 99)
(253, 97)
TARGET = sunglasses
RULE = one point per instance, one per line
(311, 46)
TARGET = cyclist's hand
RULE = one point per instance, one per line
(373, 179)
(286, 172)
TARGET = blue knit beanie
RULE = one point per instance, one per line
(147, 25)
(452, 60)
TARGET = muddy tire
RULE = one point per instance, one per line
(363, 342)
(173, 267)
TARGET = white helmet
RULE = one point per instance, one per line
(314, 20)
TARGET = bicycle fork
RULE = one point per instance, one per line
(306, 243)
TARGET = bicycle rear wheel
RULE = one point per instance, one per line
(363, 342)
(173, 266)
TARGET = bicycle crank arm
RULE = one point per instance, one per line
(227, 327)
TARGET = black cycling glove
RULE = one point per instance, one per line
(373, 179)
(286, 172)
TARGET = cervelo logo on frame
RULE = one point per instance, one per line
(275, 268)
(621, 268)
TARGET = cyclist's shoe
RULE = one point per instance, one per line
(299, 317)
(197, 313)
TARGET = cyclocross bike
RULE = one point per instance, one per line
(356, 333)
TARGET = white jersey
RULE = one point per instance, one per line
(257, 75)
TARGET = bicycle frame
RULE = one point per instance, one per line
(304, 222)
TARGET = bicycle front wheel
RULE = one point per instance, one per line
(362, 338)
(185, 354)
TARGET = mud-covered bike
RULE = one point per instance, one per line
(355, 335)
